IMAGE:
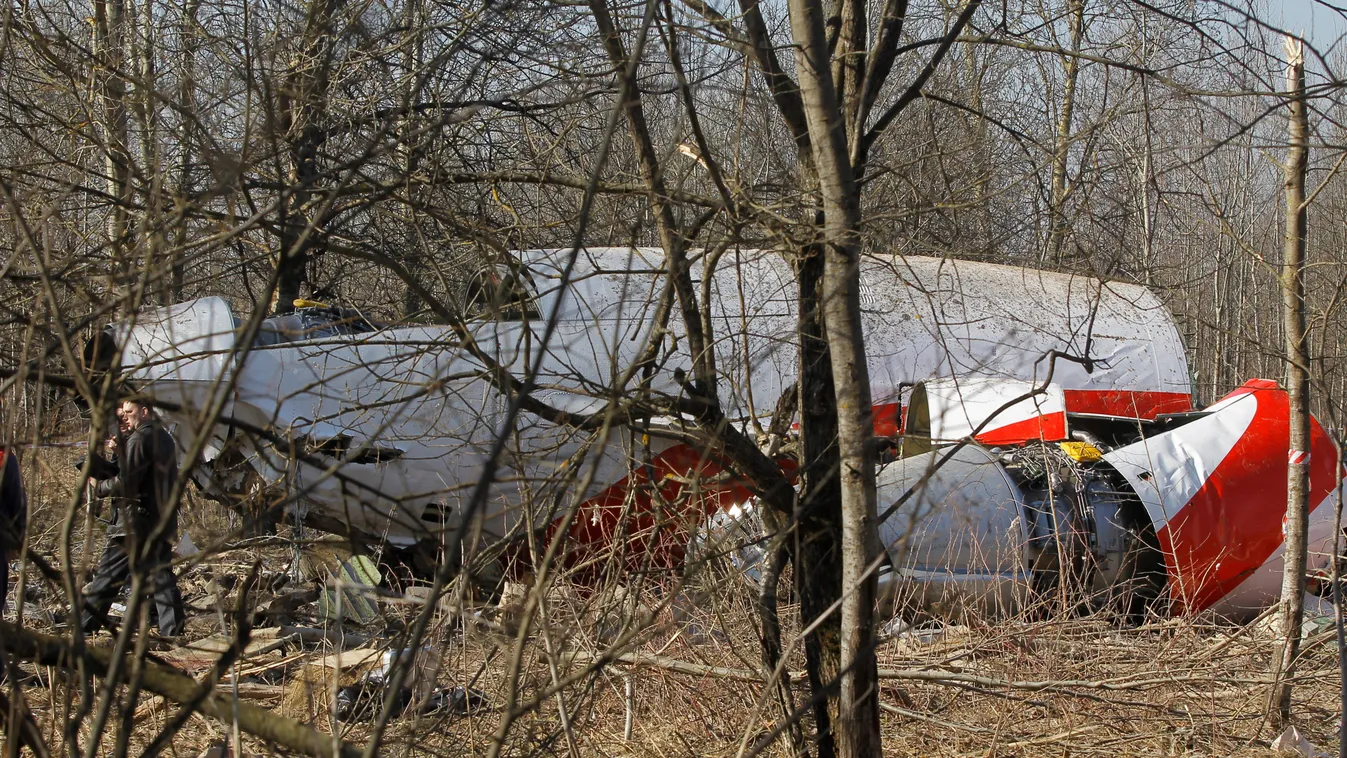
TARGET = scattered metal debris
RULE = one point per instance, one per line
(186, 547)
(363, 699)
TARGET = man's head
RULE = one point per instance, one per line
(132, 414)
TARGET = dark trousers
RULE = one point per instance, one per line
(114, 572)
(4, 577)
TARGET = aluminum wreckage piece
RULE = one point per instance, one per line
(382, 432)
(1184, 508)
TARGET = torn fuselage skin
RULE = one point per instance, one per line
(383, 432)
(1180, 513)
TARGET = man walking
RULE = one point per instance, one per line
(13, 517)
(140, 482)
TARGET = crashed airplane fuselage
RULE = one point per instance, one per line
(1184, 508)
(383, 432)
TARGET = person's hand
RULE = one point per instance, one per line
(100, 468)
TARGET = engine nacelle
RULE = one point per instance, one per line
(1000, 531)
(1185, 510)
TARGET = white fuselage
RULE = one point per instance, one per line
(388, 430)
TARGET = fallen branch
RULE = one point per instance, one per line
(582, 658)
(263, 668)
(27, 734)
(336, 636)
(1051, 738)
(994, 734)
(929, 719)
(933, 676)
(246, 690)
(174, 685)
(1109, 685)
(43, 566)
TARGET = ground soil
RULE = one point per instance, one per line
(983, 687)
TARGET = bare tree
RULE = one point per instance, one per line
(385, 156)
(825, 109)
(1297, 377)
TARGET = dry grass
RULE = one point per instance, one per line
(1066, 687)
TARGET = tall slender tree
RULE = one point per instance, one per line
(1297, 374)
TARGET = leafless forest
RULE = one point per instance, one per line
(382, 155)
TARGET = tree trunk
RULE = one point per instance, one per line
(817, 549)
(150, 232)
(296, 235)
(1062, 146)
(857, 726)
(409, 150)
(1297, 377)
(186, 139)
(109, 27)
(302, 110)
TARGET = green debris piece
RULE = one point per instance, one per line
(1317, 624)
(346, 596)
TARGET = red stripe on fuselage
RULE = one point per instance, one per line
(889, 418)
(1048, 427)
(1127, 403)
(1233, 524)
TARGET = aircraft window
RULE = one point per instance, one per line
(310, 324)
(507, 297)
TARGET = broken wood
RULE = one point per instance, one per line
(251, 690)
(262, 668)
(202, 654)
(150, 707)
(178, 687)
(334, 636)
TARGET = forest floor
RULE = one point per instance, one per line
(686, 679)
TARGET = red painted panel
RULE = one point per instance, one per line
(643, 521)
(888, 419)
(1127, 403)
(1233, 524)
(1049, 427)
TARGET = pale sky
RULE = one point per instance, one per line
(1321, 25)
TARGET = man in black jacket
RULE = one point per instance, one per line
(13, 516)
(140, 482)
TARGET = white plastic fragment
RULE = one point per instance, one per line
(895, 627)
(1292, 742)
(186, 547)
